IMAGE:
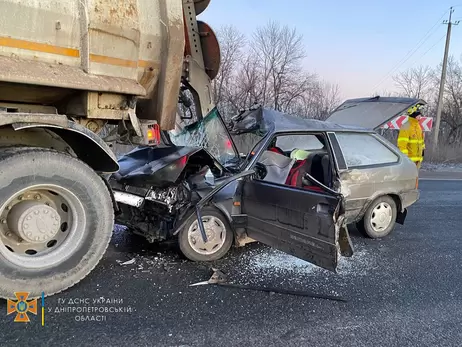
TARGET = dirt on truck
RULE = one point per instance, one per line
(70, 69)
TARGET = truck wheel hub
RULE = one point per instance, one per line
(34, 222)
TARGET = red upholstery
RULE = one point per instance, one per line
(314, 188)
(276, 150)
(296, 174)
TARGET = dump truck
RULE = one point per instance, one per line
(69, 70)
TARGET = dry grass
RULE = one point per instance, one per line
(443, 154)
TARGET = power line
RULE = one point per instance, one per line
(425, 53)
(429, 33)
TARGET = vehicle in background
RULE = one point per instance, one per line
(299, 185)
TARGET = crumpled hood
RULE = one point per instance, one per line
(148, 166)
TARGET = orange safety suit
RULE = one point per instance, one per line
(411, 141)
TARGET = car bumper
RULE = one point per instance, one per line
(409, 198)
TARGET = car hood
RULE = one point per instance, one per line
(372, 113)
(148, 166)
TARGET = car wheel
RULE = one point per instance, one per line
(379, 219)
(219, 236)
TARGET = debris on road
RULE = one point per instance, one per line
(259, 261)
(128, 262)
(219, 278)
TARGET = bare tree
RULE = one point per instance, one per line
(330, 98)
(451, 116)
(268, 70)
(415, 82)
(280, 53)
(232, 43)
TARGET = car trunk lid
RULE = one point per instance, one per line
(372, 113)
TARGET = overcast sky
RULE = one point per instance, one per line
(353, 43)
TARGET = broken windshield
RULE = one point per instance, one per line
(209, 133)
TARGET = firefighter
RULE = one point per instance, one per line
(410, 139)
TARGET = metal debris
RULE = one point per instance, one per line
(220, 279)
(128, 262)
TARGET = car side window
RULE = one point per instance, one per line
(306, 142)
(288, 158)
(364, 150)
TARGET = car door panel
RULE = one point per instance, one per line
(295, 221)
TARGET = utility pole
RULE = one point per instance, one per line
(443, 78)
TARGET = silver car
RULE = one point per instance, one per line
(345, 153)
(291, 183)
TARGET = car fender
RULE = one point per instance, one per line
(223, 200)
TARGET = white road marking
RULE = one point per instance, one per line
(440, 179)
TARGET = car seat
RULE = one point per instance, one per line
(316, 168)
(277, 166)
(276, 150)
(297, 172)
(326, 169)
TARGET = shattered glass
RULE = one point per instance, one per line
(246, 142)
(209, 133)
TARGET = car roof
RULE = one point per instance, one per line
(265, 120)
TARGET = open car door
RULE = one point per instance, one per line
(298, 222)
(372, 113)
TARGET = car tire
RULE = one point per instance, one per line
(375, 223)
(70, 211)
(219, 233)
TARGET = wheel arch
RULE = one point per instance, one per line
(396, 198)
(222, 208)
(79, 141)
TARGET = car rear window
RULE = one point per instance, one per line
(364, 150)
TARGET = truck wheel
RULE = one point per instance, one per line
(219, 236)
(379, 219)
(56, 220)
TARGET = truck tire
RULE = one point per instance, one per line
(56, 221)
(379, 219)
(218, 231)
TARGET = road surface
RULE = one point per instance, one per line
(401, 291)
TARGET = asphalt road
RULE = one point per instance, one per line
(402, 291)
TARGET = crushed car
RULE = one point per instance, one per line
(292, 183)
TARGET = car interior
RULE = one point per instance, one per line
(289, 157)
